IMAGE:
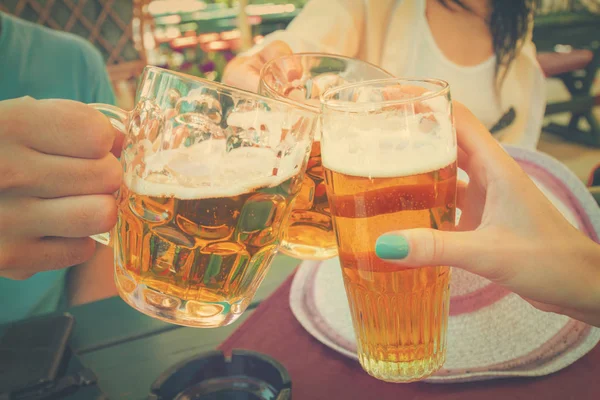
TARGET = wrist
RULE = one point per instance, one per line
(592, 260)
(588, 304)
(232, 64)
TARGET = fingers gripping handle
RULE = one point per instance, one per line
(118, 118)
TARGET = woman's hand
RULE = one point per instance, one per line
(244, 71)
(509, 232)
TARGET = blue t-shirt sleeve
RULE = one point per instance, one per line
(103, 90)
(100, 89)
(45, 64)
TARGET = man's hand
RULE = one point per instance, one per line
(58, 170)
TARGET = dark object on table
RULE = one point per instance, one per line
(247, 375)
(32, 352)
(36, 362)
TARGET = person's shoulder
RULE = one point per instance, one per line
(82, 62)
(64, 45)
(53, 64)
(72, 46)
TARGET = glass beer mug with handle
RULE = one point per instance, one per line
(304, 77)
(210, 173)
(389, 153)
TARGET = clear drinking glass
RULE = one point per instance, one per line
(389, 153)
(304, 77)
(210, 173)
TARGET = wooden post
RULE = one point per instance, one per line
(244, 26)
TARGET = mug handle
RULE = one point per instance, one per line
(118, 118)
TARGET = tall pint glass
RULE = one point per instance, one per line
(304, 77)
(210, 173)
(389, 153)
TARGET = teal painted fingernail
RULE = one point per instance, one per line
(391, 247)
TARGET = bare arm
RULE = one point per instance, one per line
(92, 280)
(331, 26)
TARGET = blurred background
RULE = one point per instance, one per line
(200, 37)
(192, 36)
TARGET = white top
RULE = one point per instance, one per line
(474, 86)
(387, 33)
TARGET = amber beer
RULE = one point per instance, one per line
(196, 255)
(391, 165)
(309, 231)
(400, 315)
(210, 173)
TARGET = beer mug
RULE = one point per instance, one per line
(389, 154)
(210, 173)
(304, 77)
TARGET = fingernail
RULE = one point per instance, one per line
(391, 247)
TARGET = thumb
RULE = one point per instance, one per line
(273, 50)
(117, 146)
(471, 251)
(243, 72)
(286, 69)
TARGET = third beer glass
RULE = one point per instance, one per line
(304, 78)
(209, 176)
(389, 153)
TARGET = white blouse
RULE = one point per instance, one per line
(474, 86)
(394, 34)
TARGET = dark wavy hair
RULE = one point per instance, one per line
(509, 24)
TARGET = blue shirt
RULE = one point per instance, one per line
(42, 63)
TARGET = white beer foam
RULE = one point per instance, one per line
(207, 170)
(382, 146)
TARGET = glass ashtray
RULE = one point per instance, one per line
(246, 375)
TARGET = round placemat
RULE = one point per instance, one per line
(492, 332)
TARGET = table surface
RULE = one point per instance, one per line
(128, 350)
(321, 373)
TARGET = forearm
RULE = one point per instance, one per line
(93, 280)
(573, 275)
(590, 310)
(232, 66)
(331, 26)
